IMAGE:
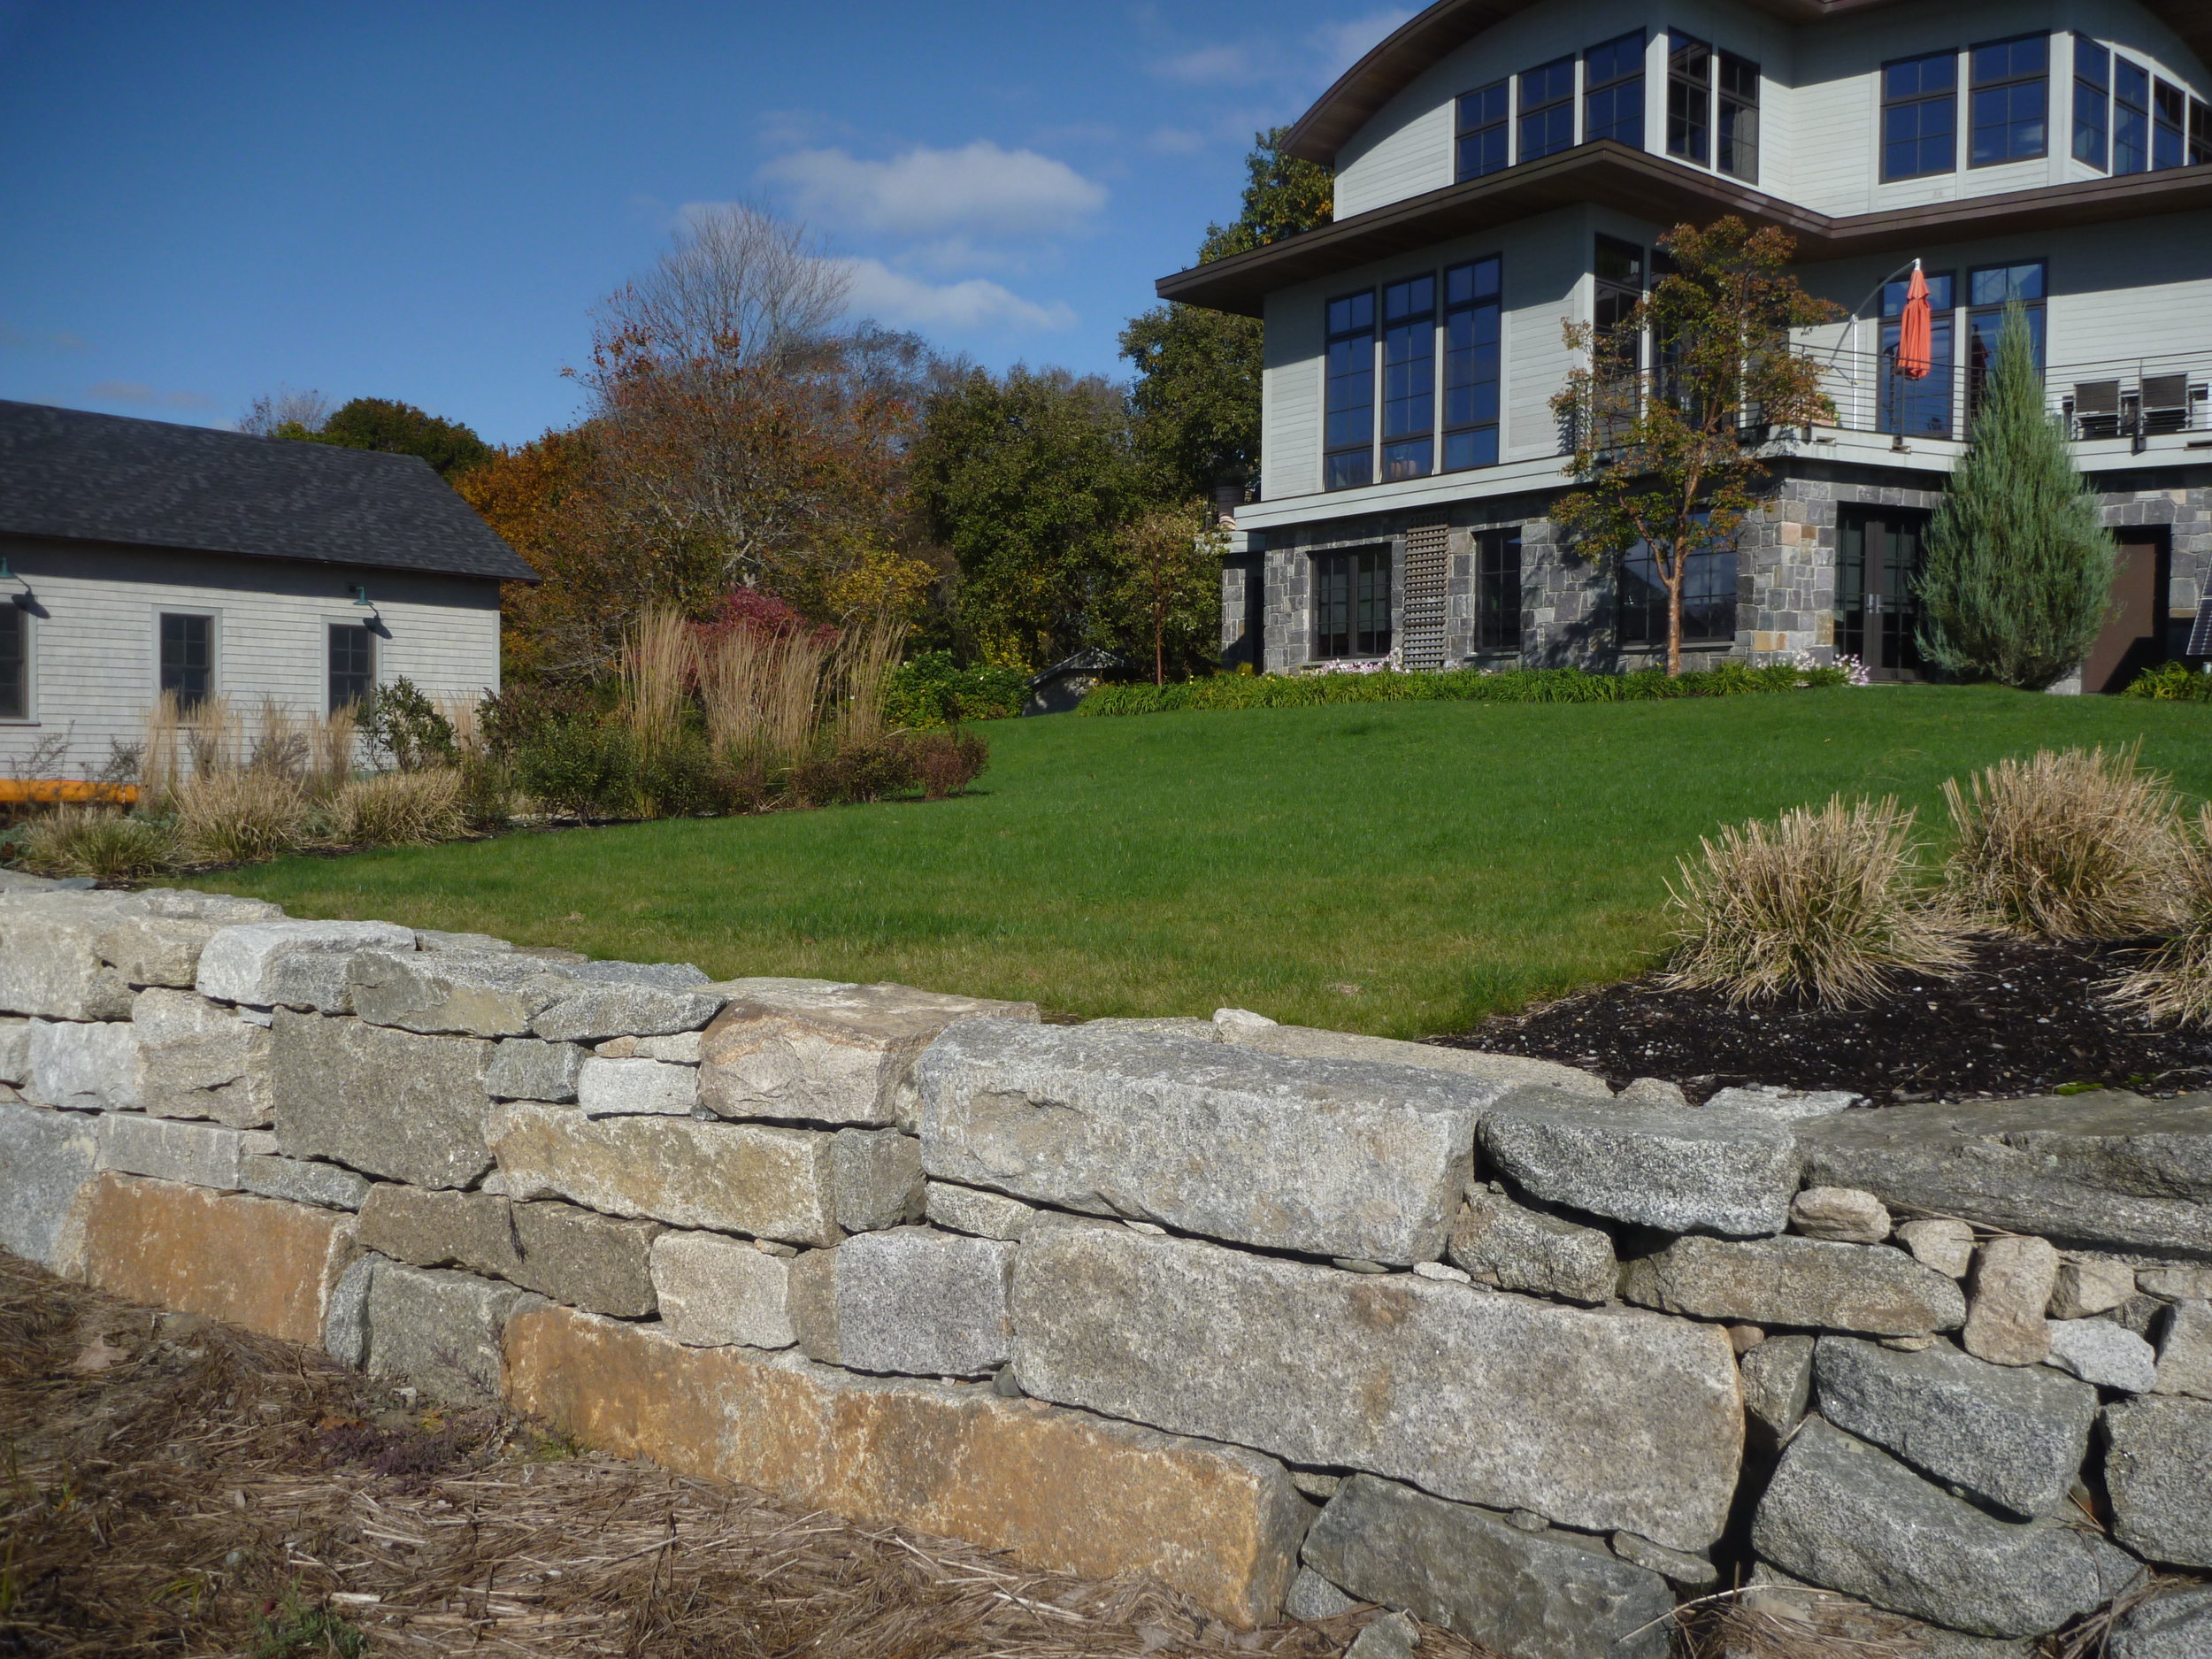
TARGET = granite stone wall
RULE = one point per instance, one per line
(1283, 1317)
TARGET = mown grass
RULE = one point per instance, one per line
(1401, 868)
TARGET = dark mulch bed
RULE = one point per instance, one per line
(2024, 1019)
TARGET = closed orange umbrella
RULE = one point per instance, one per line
(1915, 345)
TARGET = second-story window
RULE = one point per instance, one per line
(2169, 124)
(1613, 91)
(2200, 133)
(2130, 117)
(1990, 291)
(1920, 408)
(1689, 99)
(1349, 457)
(1471, 354)
(1920, 100)
(1409, 344)
(2012, 101)
(1483, 118)
(1548, 108)
(2093, 103)
(1736, 152)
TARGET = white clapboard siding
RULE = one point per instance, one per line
(95, 637)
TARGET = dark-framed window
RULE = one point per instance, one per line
(1736, 150)
(1689, 98)
(15, 661)
(188, 659)
(1351, 604)
(352, 653)
(2011, 104)
(1923, 407)
(1484, 116)
(1498, 590)
(1613, 91)
(1920, 116)
(1408, 345)
(1708, 598)
(2093, 103)
(1548, 108)
(2130, 117)
(1348, 448)
(2169, 125)
(1989, 290)
(1473, 354)
(2200, 133)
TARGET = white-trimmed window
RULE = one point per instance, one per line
(15, 661)
(188, 658)
(351, 653)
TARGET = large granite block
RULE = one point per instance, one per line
(714, 1291)
(270, 1266)
(1789, 1281)
(773, 1182)
(440, 1331)
(601, 1264)
(49, 959)
(1535, 1596)
(1306, 1042)
(625, 1008)
(2106, 1170)
(455, 993)
(911, 1301)
(822, 1052)
(15, 1050)
(2158, 1467)
(406, 1107)
(46, 1159)
(424, 1227)
(1499, 1242)
(332, 1186)
(1599, 1420)
(85, 1066)
(198, 1155)
(1841, 1514)
(295, 964)
(525, 1068)
(1058, 1490)
(1331, 1158)
(198, 1060)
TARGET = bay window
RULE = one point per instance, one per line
(2093, 103)
(1548, 108)
(1613, 91)
(1737, 151)
(2011, 101)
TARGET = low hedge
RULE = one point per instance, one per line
(2172, 682)
(933, 690)
(1461, 685)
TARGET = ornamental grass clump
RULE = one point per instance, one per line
(239, 817)
(400, 809)
(2071, 846)
(2173, 984)
(1826, 904)
(97, 842)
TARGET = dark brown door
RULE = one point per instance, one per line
(1879, 556)
(2134, 636)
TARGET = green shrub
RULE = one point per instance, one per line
(1462, 685)
(98, 841)
(680, 779)
(406, 728)
(578, 767)
(933, 690)
(2172, 682)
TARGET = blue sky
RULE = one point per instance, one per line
(201, 203)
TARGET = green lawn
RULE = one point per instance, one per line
(1397, 868)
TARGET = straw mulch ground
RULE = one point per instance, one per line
(174, 1486)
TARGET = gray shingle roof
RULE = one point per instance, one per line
(76, 476)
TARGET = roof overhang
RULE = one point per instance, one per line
(1364, 88)
(1657, 190)
(32, 538)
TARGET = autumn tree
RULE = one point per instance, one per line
(538, 497)
(1196, 397)
(1169, 562)
(1677, 405)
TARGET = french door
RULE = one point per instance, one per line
(1880, 554)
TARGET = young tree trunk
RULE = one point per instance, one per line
(1674, 575)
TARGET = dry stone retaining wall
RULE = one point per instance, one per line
(1284, 1317)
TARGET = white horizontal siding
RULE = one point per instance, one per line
(1290, 403)
(95, 665)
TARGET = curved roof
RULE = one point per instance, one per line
(1370, 83)
(76, 476)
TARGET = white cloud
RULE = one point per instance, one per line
(55, 340)
(973, 305)
(979, 189)
(139, 392)
(1209, 65)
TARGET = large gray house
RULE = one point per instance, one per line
(1502, 165)
(137, 557)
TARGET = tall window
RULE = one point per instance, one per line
(1471, 352)
(1738, 150)
(2093, 103)
(1498, 590)
(188, 659)
(2130, 117)
(2200, 133)
(1923, 406)
(1988, 292)
(1351, 604)
(2012, 100)
(15, 663)
(1349, 458)
(352, 665)
(1548, 108)
(1708, 598)
(1689, 99)
(1409, 433)
(1613, 91)
(1482, 136)
(2169, 125)
(1920, 116)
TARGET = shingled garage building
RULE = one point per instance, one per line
(1503, 168)
(142, 558)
